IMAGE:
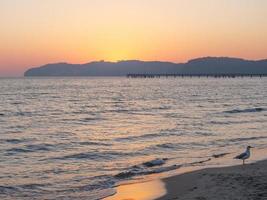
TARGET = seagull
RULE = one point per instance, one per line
(245, 155)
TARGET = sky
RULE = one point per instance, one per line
(37, 32)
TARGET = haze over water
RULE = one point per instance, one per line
(67, 138)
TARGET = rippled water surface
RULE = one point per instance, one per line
(74, 138)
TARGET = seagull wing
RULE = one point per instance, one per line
(242, 155)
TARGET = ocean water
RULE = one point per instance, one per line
(75, 138)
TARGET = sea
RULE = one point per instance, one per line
(78, 137)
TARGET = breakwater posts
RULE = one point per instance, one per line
(194, 75)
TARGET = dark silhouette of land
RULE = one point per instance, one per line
(212, 66)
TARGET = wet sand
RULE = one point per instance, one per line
(140, 191)
(243, 182)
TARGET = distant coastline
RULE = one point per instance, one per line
(199, 66)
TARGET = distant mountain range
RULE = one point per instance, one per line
(207, 65)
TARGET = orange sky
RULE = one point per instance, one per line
(36, 32)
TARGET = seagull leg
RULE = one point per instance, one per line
(243, 162)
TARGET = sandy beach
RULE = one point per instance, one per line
(237, 182)
(242, 182)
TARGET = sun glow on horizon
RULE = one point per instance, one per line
(36, 32)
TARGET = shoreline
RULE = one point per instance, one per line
(235, 182)
(201, 183)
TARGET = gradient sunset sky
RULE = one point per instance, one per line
(37, 32)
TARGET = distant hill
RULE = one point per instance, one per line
(207, 65)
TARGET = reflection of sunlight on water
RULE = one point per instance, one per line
(77, 133)
(141, 191)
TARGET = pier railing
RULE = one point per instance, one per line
(194, 75)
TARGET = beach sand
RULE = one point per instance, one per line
(242, 182)
(140, 191)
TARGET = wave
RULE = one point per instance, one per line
(156, 166)
(87, 119)
(82, 121)
(220, 155)
(93, 144)
(18, 150)
(162, 133)
(248, 110)
(16, 141)
(45, 191)
(146, 168)
(199, 162)
(246, 139)
(176, 146)
(16, 103)
(97, 155)
(25, 190)
(8, 189)
(86, 112)
(30, 149)
(138, 172)
(32, 186)
(155, 162)
(133, 138)
(166, 145)
(233, 141)
(24, 113)
(231, 122)
(88, 155)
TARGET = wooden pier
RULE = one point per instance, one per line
(194, 75)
